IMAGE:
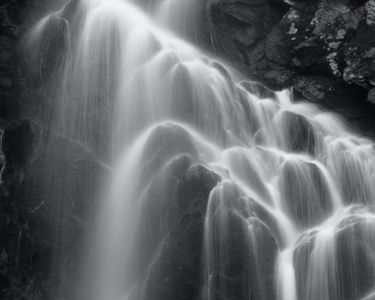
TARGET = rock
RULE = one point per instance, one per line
(156, 154)
(352, 176)
(257, 89)
(325, 92)
(239, 31)
(320, 48)
(174, 207)
(297, 133)
(336, 261)
(314, 89)
(240, 249)
(48, 39)
(19, 141)
(54, 204)
(359, 58)
(306, 193)
(371, 96)
(18, 146)
(370, 12)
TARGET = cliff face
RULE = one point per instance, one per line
(325, 49)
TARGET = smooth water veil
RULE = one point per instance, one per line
(221, 189)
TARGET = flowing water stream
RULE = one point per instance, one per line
(221, 189)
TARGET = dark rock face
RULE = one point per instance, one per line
(240, 31)
(18, 142)
(321, 48)
(18, 145)
(46, 213)
(241, 248)
(172, 230)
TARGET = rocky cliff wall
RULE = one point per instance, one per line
(324, 49)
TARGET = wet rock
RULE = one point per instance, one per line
(312, 88)
(371, 296)
(240, 249)
(371, 96)
(63, 172)
(18, 146)
(156, 154)
(305, 192)
(298, 132)
(370, 12)
(326, 92)
(257, 89)
(319, 47)
(174, 207)
(48, 39)
(240, 31)
(354, 182)
(355, 249)
(53, 206)
(19, 141)
(343, 255)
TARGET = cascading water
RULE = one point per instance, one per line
(221, 189)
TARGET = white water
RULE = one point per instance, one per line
(132, 91)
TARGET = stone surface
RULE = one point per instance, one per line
(174, 208)
(16, 19)
(46, 212)
(351, 263)
(371, 96)
(298, 133)
(305, 192)
(318, 47)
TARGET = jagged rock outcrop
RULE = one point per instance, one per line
(321, 48)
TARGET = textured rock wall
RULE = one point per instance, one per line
(325, 49)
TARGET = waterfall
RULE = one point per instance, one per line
(221, 188)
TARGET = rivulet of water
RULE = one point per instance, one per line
(288, 213)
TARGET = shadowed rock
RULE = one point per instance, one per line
(305, 192)
(171, 231)
(240, 249)
(298, 133)
(338, 262)
(56, 202)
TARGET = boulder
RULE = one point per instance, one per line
(240, 248)
(171, 231)
(305, 192)
(336, 261)
(298, 133)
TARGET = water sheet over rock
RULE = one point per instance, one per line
(222, 189)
